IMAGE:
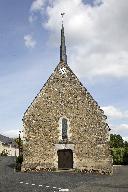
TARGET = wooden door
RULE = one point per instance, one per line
(65, 159)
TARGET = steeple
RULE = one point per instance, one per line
(63, 56)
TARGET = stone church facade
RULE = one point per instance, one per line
(64, 128)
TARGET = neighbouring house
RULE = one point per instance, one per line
(64, 127)
(8, 146)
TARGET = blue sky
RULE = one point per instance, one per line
(97, 49)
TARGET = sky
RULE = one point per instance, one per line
(97, 50)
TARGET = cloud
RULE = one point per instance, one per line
(125, 138)
(97, 2)
(32, 18)
(96, 35)
(115, 113)
(121, 129)
(37, 5)
(116, 119)
(29, 41)
(12, 133)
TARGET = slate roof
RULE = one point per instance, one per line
(8, 141)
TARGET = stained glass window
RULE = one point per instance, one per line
(64, 128)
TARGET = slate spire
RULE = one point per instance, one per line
(63, 56)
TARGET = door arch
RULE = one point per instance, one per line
(65, 159)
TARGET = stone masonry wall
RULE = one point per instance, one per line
(64, 96)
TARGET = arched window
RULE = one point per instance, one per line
(64, 128)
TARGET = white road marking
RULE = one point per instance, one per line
(47, 186)
(60, 189)
(63, 189)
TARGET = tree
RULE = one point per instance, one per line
(116, 141)
(125, 144)
(118, 155)
(125, 157)
(119, 150)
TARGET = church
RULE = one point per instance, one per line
(64, 127)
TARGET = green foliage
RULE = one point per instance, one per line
(4, 153)
(19, 159)
(125, 157)
(116, 141)
(119, 150)
(53, 169)
(125, 144)
(118, 154)
(19, 141)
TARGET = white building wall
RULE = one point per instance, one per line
(11, 151)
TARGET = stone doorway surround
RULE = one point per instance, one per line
(62, 147)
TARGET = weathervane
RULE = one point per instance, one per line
(62, 14)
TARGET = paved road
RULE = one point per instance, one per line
(11, 181)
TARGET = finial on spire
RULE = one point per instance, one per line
(62, 14)
(63, 56)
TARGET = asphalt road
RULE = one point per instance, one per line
(11, 181)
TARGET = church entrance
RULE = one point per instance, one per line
(65, 159)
